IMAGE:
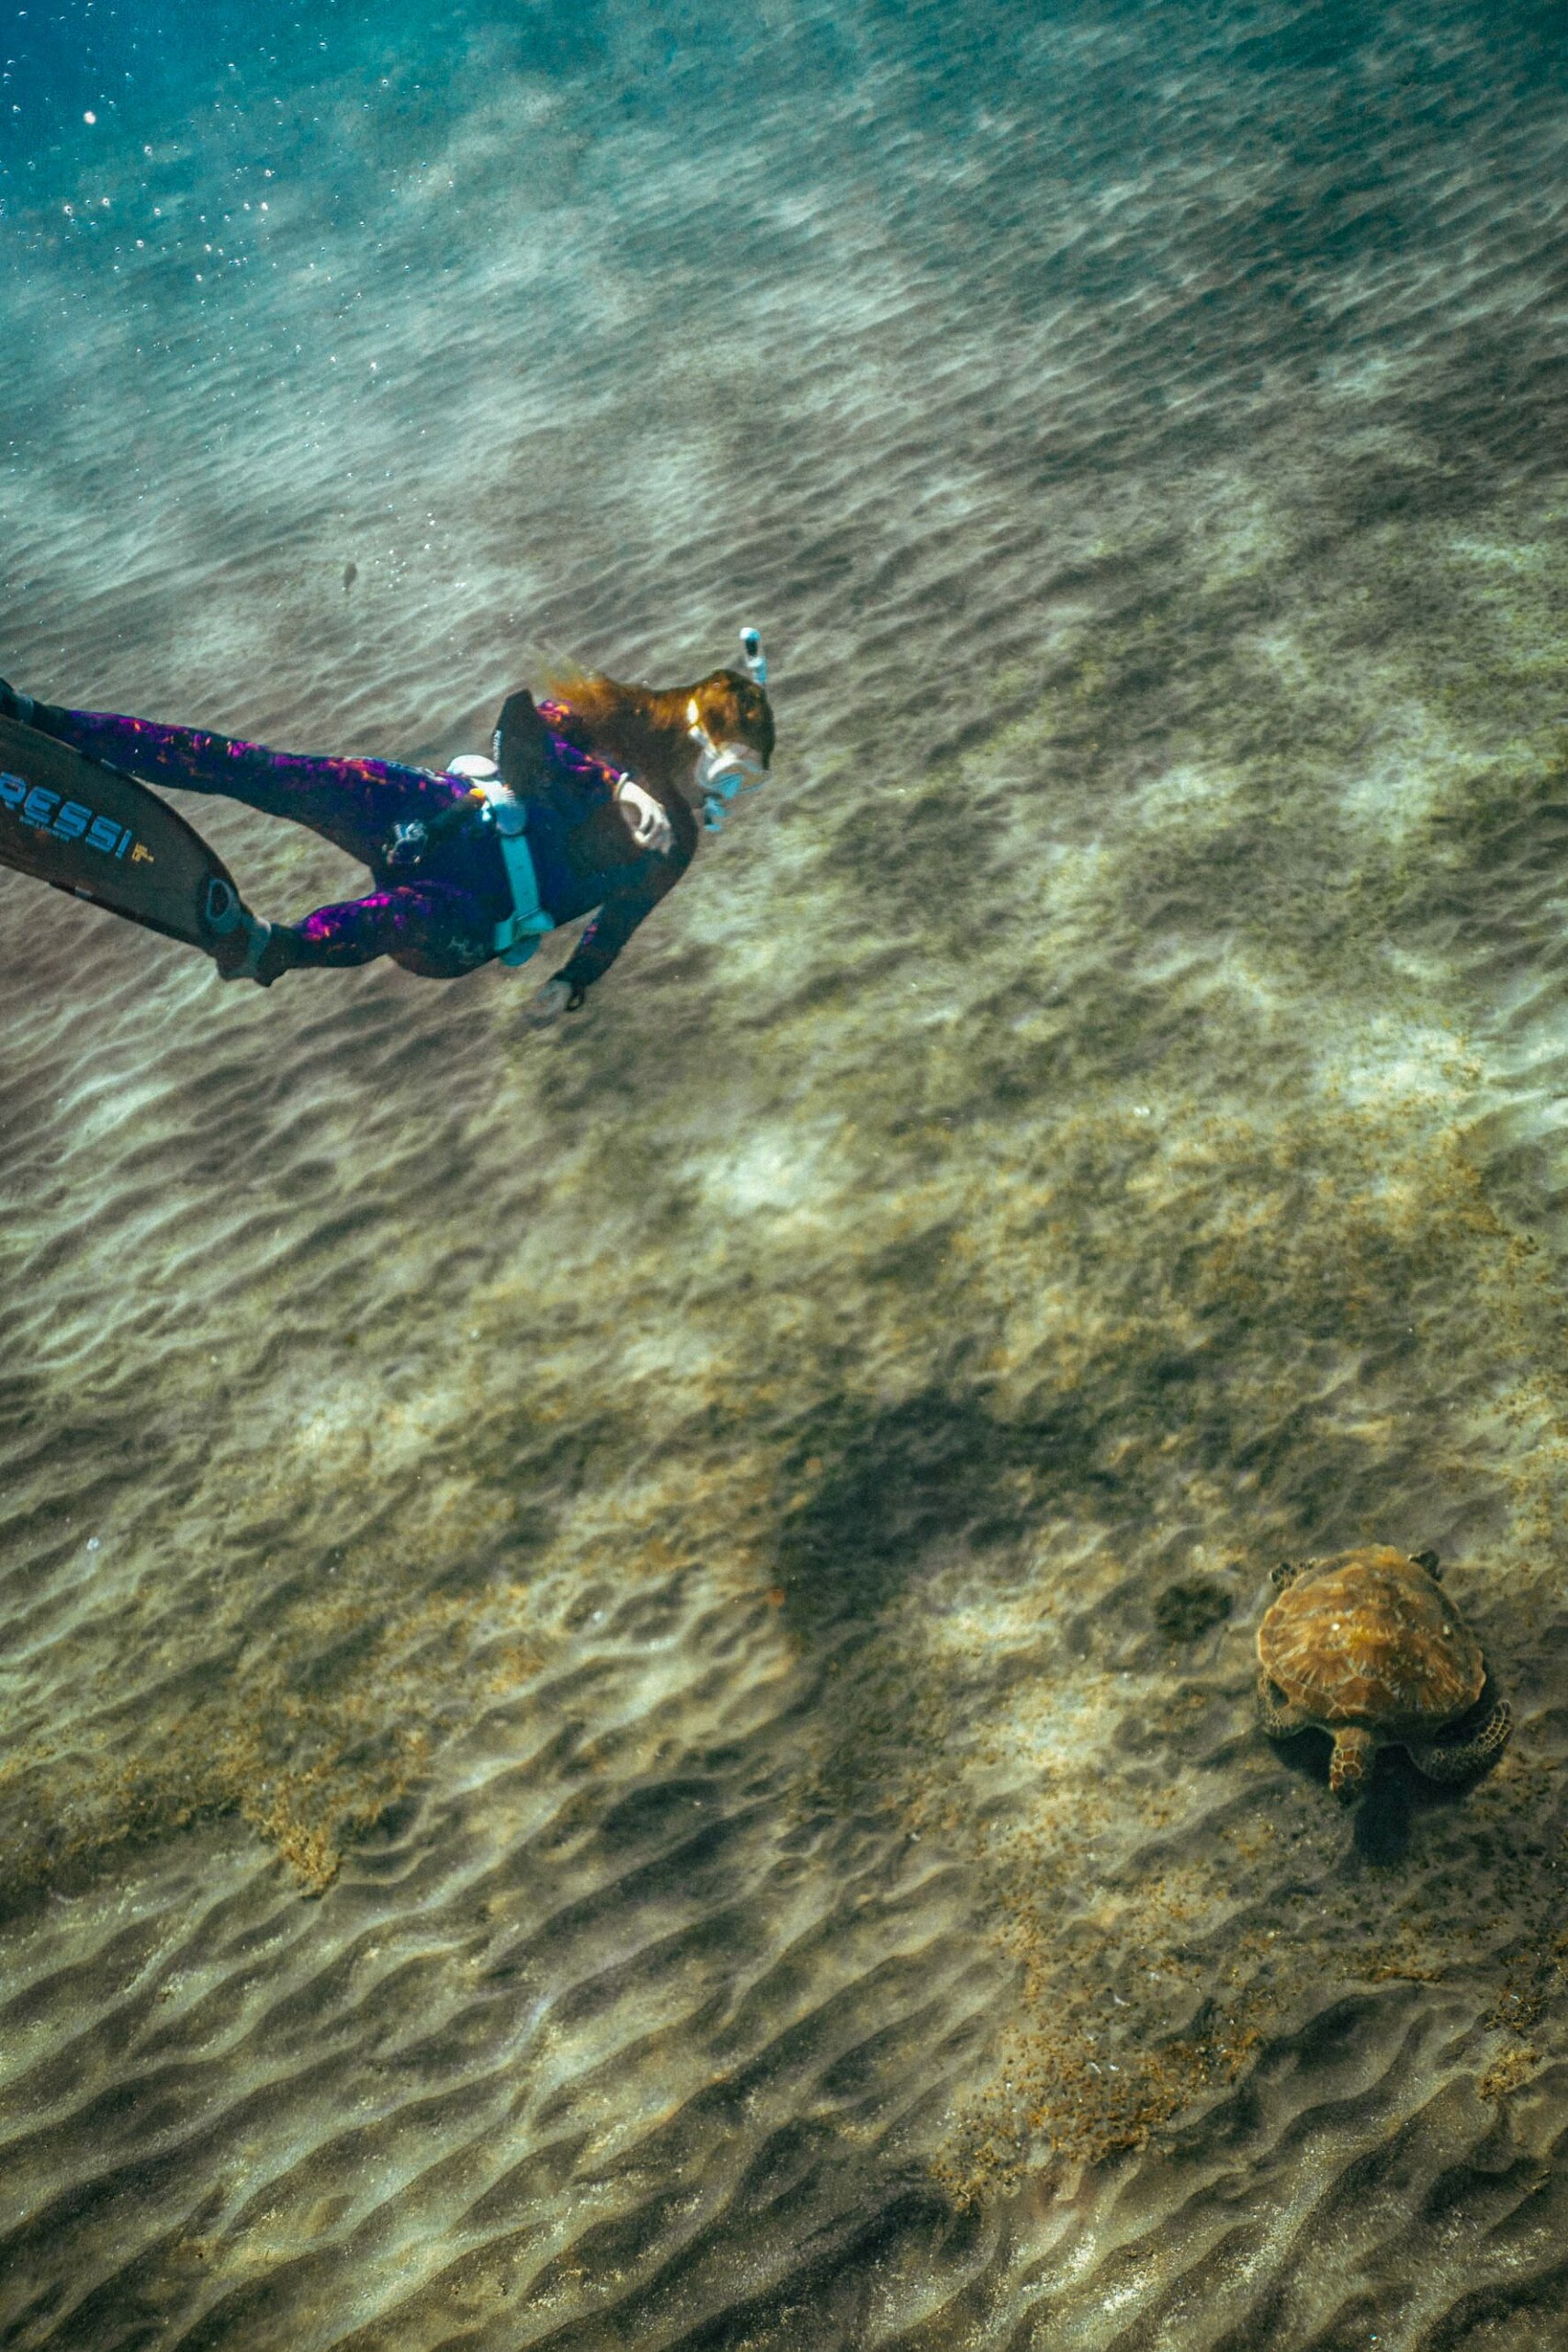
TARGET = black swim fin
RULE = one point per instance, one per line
(95, 834)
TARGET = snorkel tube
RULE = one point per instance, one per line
(725, 770)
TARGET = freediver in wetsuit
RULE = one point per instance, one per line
(588, 805)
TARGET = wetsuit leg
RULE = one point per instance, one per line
(352, 803)
(428, 929)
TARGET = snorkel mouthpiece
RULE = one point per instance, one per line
(718, 790)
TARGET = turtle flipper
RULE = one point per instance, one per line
(1467, 1758)
(1275, 1711)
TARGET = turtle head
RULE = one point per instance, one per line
(1428, 1560)
(1347, 1766)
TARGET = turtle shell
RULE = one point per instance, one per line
(1370, 1638)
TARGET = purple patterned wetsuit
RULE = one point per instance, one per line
(439, 916)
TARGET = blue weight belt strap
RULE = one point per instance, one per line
(517, 938)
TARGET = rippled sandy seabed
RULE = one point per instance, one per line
(626, 1654)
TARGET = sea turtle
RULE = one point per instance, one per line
(1368, 1647)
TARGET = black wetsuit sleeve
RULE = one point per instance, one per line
(607, 934)
(623, 910)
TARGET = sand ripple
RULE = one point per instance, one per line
(626, 1654)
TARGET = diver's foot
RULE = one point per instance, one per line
(16, 706)
(238, 953)
(284, 951)
(259, 951)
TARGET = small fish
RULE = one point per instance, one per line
(350, 574)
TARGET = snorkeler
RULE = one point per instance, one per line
(588, 805)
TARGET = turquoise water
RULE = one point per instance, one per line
(599, 1750)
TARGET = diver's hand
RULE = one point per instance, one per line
(549, 1004)
(651, 827)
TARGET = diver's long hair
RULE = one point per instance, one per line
(646, 730)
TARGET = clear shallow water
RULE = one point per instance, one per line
(598, 1749)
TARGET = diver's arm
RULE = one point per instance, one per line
(620, 913)
(647, 819)
(597, 949)
(530, 756)
(606, 936)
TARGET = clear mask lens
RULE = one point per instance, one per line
(723, 769)
(728, 769)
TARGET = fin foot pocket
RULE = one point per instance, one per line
(247, 952)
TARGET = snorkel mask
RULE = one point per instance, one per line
(724, 770)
